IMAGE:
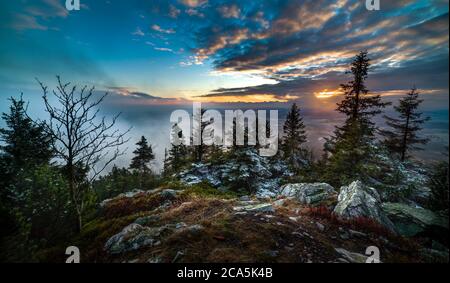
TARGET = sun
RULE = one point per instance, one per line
(327, 93)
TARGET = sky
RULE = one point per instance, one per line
(153, 55)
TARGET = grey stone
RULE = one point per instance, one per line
(357, 233)
(155, 260)
(245, 198)
(351, 257)
(195, 229)
(132, 237)
(180, 225)
(178, 256)
(320, 226)
(411, 221)
(263, 207)
(357, 200)
(309, 193)
(147, 219)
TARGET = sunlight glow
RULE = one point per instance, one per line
(255, 98)
(327, 93)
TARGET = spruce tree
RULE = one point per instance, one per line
(24, 147)
(358, 105)
(200, 151)
(294, 135)
(350, 147)
(404, 134)
(179, 153)
(143, 155)
(25, 142)
(166, 164)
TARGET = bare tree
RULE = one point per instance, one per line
(85, 142)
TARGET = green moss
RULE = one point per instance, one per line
(206, 190)
(174, 185)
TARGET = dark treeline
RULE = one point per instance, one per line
(51, 171)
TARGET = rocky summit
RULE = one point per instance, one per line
(299, 224)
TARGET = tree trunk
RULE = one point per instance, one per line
(405, 139)
(73, 195)
(80, 222)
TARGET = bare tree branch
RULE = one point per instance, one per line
(83, 140)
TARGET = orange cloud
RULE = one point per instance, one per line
(254, 98)
(327, 93)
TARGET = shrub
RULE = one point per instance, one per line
(121, 180)
(206, 190)
(438, 183)
(43, 213)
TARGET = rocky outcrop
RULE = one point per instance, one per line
(136, 236)
(132, 237)
(256, 173)
(200, 228)
(311, 194)
(357, 200)
(411, 221)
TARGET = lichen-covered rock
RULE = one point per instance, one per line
(136, 236)
(147, 219)
(130, 194)
(411, 221)
(246, 167)
(357, 200)
(195, 229)
(262, 207)
(352, 257)
(309, 193)
(132, 237)
(279, 202)
(434, 256)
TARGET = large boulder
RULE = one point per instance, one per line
(411, 221)
(309, 193)
(357, 200)
(132, 237)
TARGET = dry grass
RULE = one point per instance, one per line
(127, 206)
(226, 237)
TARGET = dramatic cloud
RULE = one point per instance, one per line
(129, 96)
(35, 15)
(307, 45)
(251, 53)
